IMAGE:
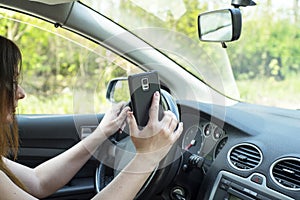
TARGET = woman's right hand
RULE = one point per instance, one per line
(156, 139)
(114, 119)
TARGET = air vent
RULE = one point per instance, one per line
(245, 156)
(286, 173)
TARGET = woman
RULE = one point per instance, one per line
(20, 182)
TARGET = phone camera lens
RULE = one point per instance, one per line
(145, 81)
(145, 84)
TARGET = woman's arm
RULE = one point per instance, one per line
(10, 191)
(152, 144)
(53, 174)
(124, 186)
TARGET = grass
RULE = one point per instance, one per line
(284, 94)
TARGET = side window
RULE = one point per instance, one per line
(62, 73)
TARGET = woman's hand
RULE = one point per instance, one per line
(157, 137)
(114, 120)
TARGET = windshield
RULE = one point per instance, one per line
(265, 61)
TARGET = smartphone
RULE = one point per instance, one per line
(142, 86)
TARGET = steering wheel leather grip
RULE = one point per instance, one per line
(170, 102)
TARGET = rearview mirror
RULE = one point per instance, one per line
(117, 90)
(220, 26)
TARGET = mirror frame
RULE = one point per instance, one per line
(236, 19)
(111, 88)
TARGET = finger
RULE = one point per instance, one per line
(133, 128)
(173, 124)
(118, 107)
(153, 112)
(123, 113)
(166, 120)
(165, 124)
(170, 114)
(177, 133)
(120, 119)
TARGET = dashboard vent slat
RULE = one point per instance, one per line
(286, 173)
(245, 156)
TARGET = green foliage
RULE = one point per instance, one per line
(60, 76)
(266, 49)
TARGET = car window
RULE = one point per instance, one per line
(62, 73)
(264, 64)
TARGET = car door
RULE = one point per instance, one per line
(45, 136)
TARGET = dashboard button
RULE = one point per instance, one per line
(224, 184)
(257, 179)
(225, 181)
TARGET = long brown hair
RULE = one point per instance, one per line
(10, 66)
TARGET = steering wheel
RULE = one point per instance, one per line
(159, 178)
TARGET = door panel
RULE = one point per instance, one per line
(45, 136)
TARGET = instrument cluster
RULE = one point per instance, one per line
(205, 139)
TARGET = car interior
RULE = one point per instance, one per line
(229, 150)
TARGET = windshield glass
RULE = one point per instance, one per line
(265, 63)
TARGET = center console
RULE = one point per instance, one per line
(229, 186)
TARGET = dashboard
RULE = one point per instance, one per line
(248, 153)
